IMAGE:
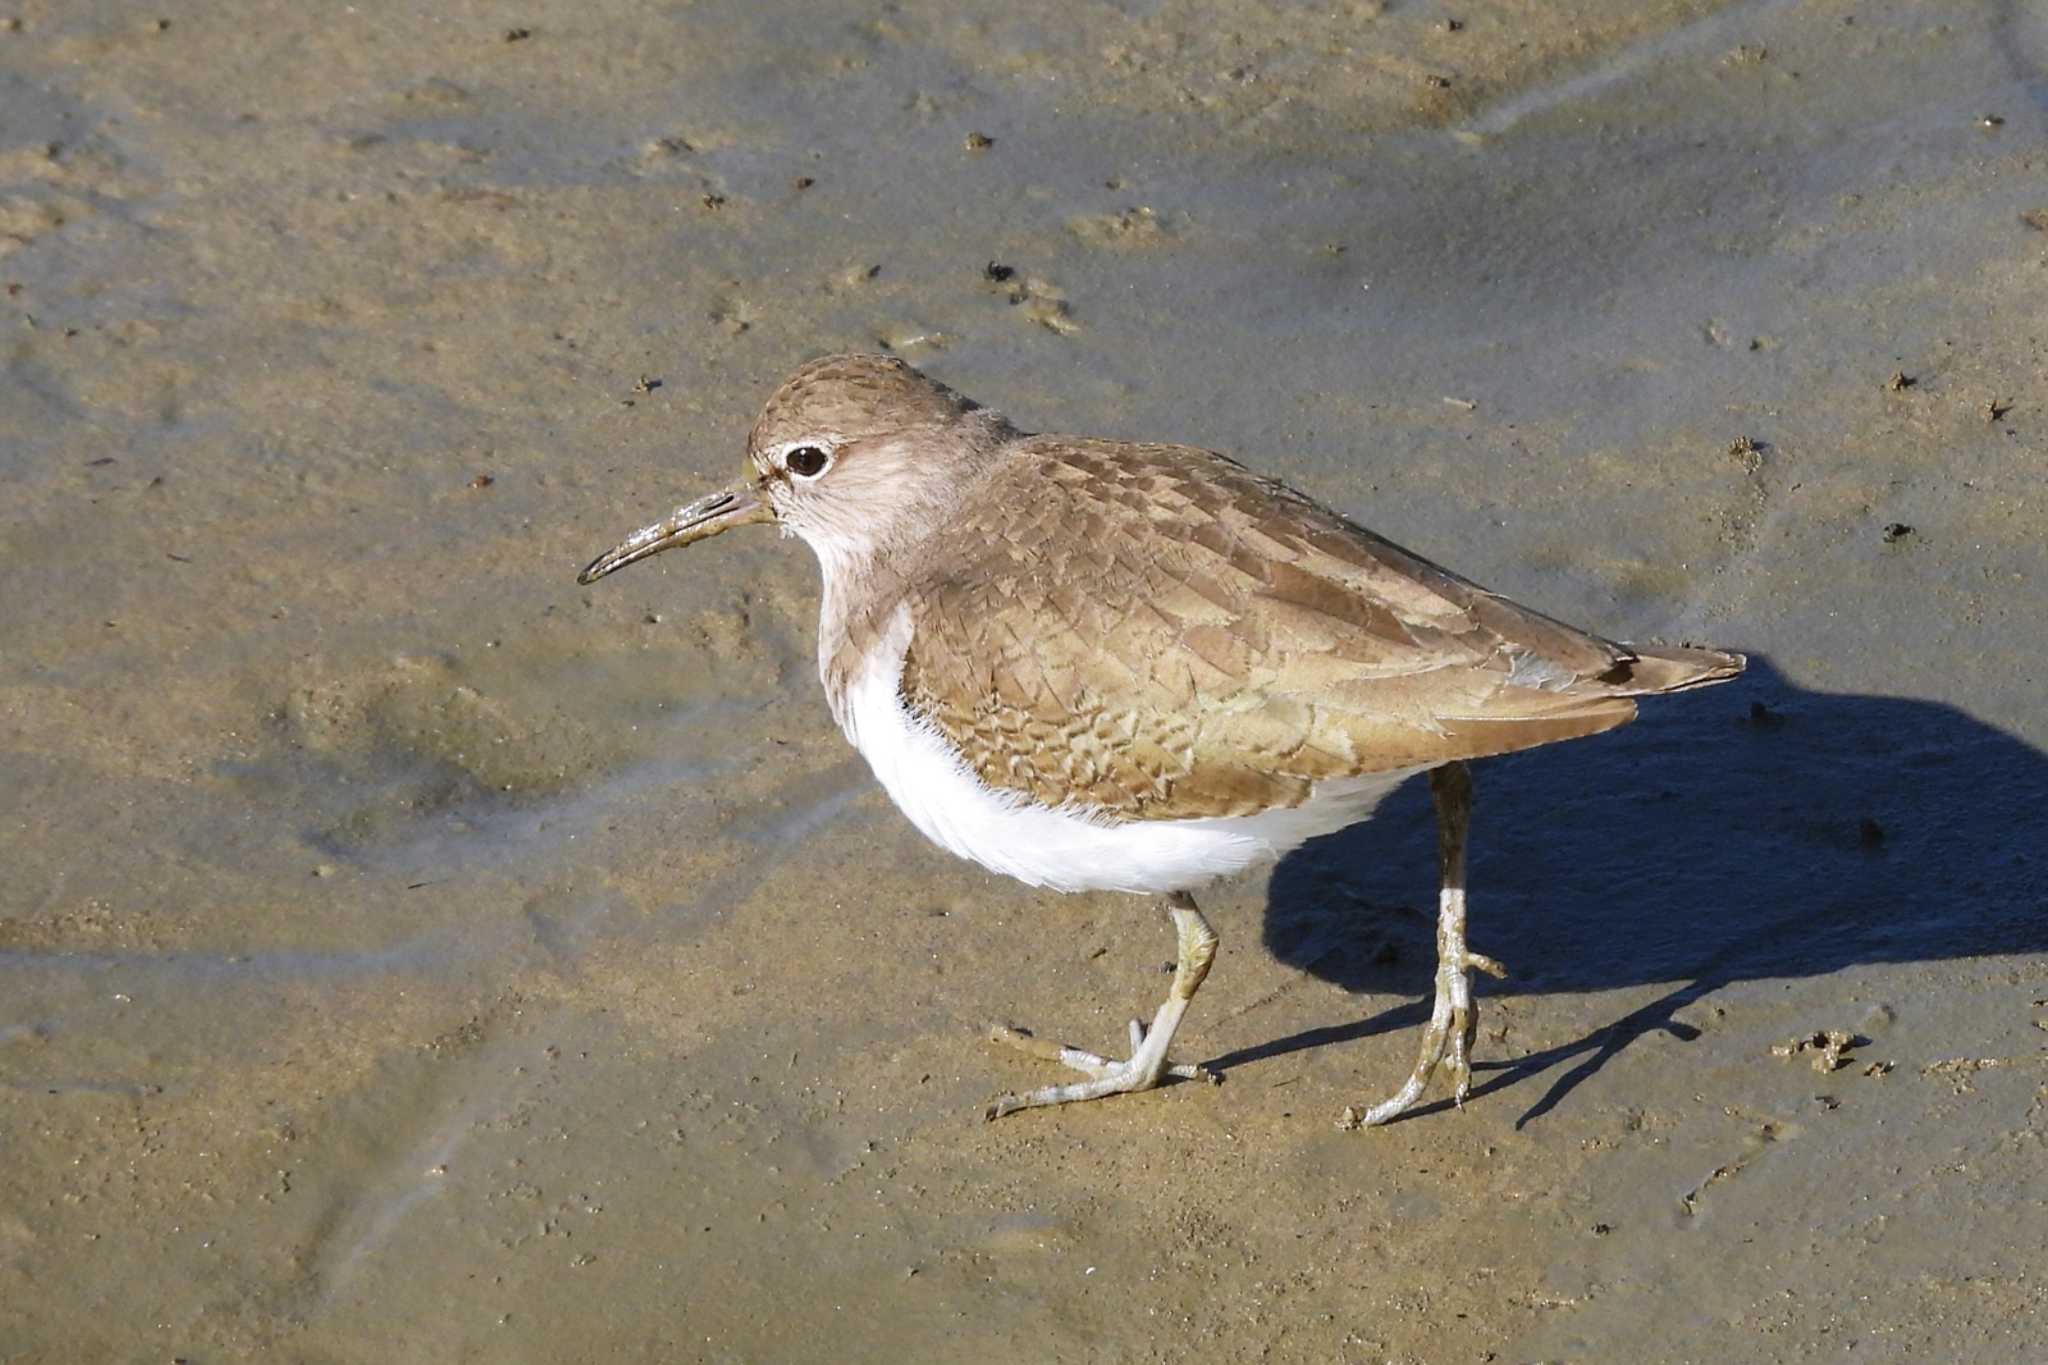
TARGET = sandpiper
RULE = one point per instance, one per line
(1103, 665)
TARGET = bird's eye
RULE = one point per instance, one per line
(807, 462)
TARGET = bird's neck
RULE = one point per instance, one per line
(839, 657)
(864, 587)
(866, 573)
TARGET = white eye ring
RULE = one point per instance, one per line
(807, 461)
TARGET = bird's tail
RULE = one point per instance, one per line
(1665, 668)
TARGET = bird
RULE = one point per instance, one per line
(1097, 665)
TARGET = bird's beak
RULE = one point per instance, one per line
(735, 506)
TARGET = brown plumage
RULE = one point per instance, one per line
(1156, 632)
(1108, 665)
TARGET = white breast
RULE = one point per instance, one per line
(1063, 848)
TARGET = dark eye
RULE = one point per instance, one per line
(807, 462)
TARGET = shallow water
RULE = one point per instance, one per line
(410, 955)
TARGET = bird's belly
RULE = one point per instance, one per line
(1069, 849)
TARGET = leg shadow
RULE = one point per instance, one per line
(1754, 831)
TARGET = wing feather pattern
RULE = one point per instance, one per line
(1154, 632)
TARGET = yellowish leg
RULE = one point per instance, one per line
(1147, 1064)
(1453, 1020)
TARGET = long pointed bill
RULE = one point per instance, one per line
(735, 506)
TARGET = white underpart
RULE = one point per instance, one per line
(1066, 849)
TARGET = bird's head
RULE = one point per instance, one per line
(851, 453)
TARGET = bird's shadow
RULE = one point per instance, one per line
(1757, 830)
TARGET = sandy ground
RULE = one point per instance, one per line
(406, 955)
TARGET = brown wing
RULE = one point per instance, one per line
(1158, 633)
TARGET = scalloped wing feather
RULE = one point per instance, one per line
(1153, 632)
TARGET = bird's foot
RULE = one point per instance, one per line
(1447, 1040)
(1142, 1071)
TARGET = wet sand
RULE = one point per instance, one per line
(408, 955)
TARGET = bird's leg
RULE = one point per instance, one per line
(1147, 1064)
(1453, 1020)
